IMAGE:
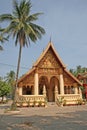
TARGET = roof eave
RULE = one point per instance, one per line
(28, 73)
(73, 77)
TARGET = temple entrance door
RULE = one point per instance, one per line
(50, 87)
(51, 92)
(50, 95)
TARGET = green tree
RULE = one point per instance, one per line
(10, 79)
(78, 70)
(4, 89)
(22, 27)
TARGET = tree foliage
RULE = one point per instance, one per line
(2, 38)
(10, 80)
(78, 70)
(7, 84)
(4, 89)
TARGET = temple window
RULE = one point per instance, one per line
(65, 90)
(27, 90)
(72, 90)
(40, 89)
(69, 90)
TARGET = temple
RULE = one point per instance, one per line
(49, 79)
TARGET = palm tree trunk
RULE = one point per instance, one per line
(18, 66)
(17, 74)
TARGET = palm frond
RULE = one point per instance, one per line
(38, 28)
(33, 17)
(16, 11)
(5, 17)
(1, 48)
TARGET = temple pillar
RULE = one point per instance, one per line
(61, 85)
(36, 84)
(76, 88)
(20, 90)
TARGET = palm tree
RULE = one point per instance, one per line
(22, 27)
(10, 77)
(2, 38)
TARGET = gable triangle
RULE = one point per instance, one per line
(49, 58)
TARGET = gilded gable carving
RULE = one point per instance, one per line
(49, 61)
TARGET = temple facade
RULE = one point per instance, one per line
(49, 79)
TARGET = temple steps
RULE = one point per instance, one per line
(50, 104)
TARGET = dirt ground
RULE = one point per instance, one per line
(51, 117)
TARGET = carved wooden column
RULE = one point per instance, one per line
(36, 84)
(61, 85)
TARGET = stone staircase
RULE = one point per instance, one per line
(50, 104)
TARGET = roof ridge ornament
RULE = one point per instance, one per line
(50, 39)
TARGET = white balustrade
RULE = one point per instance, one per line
(70, 98)
(27, 98)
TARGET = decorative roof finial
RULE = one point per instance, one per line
(50, 39)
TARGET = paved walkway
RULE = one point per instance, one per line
(49, 118)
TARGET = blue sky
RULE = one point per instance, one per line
(65, 21)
